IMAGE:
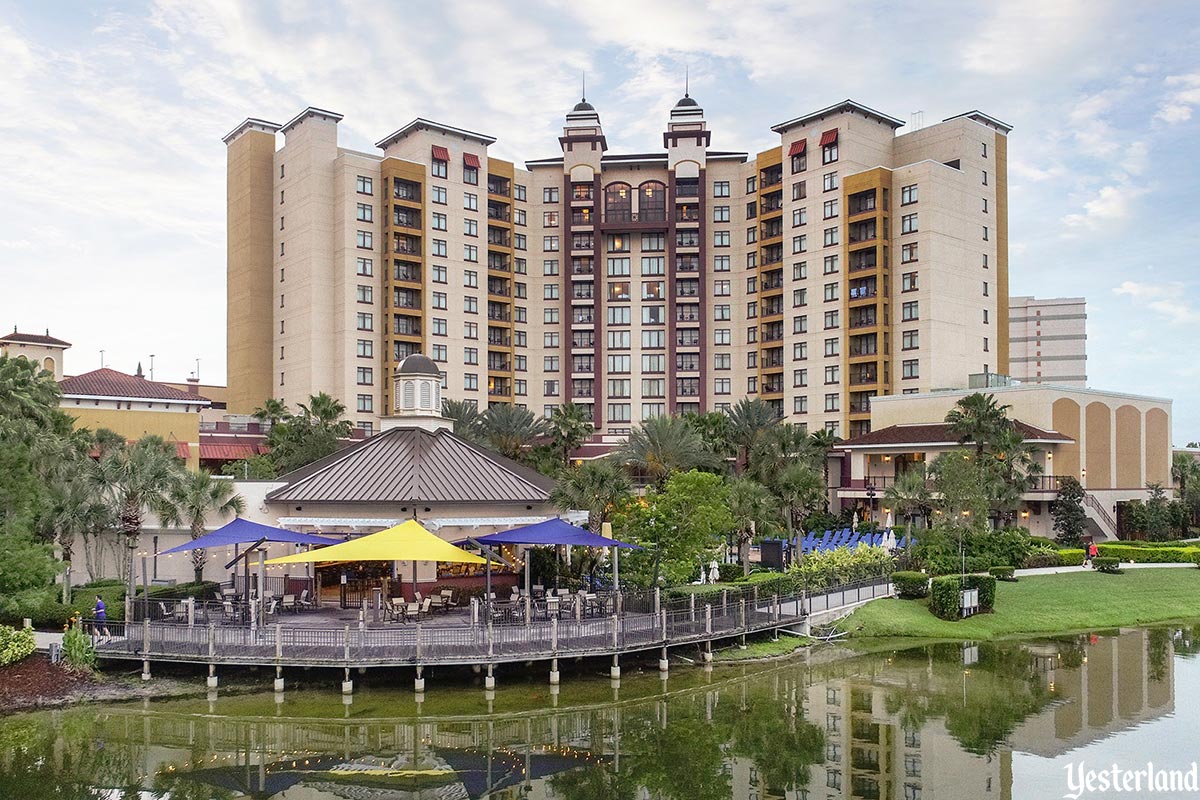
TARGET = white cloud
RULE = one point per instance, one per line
(1029, 36)
(1183, 96)
(1111, 204)
(1167, 299)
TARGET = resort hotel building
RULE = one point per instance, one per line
(842, 263)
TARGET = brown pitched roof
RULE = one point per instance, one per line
(939, 433)
(106, 382)
(412, 465)
(34, 338)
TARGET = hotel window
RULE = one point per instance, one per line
(520, 314)
(833, 347)
(654, 265)
(985, 183)
(800, 324)
(799, 244)
(439, 248)
(281, 197)
(520, 266)
(519, 192)
(366, 403)
(470, 201)
(985, 316)
(910, 340)
(752, 260)
(653, 290)
(519, 336)
(550, 194)
(829, 153)
(654, 242)
(985, 344)
(751, 209)
(831, 320)
(471, 381)
(439, 301)
(439, 168)
(722, 336)
(752, 235)
(549, 316)
(470, 227)
(831, 374)
(618, 315)
(831, 292)
(438, 195)
(723, 289)
(619, 340)
(752, 309)
(620, 387)
(720, 238)
(365, 376)
(366, 185)
(549, 219)
(281, 379)
(799, 162)
(799, 270)
(833, 402)
(654, 340)
(550, 244)
(654, 315)
(829, 209)
(752, 334)
(910, 368)
(281, 222)
(910, 311)
(985, 288)
(829, 181)
(619, 292)
(800, 351)
(800, 377)
(281, 245)
(439, 352)
(908, 194)
(365, 213)
(550, 291)
(831, 236)
(363, 239)
(985, 261)
(619, 412)
(913, 792)
(985, 233)
(722, 312)
(619, 363)
(619, 267)
(908, 223)
(751, 285)
(550, 363)
(550, 266)
(722, 361)
(751, 185)
(519, 216)
(281, 301)
(720, 213)
(470, 175)
(365, 321)
(654, 363)
(365, 267)
(799, 298)
(800, 404)
(550, 388)
(366, 348)
(799, 217)
(440, 274)
(721, 263)
(830, 266)
(985, 205)
(550, 339)
(439, 221)
(720, 189)
(520, 363)
(908, 253)
(908, 282)
(471, 305)
(651, 410)
(366, 294)
(439, 326)
(723, 386)
(799, 190)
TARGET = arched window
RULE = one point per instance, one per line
(48, 365)
(652, 202)
(618, 202)
(426, 395)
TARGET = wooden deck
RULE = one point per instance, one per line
(300, 641)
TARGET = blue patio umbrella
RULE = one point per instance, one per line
(243, 531)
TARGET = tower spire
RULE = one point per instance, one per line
(686, 81)
(583, 86)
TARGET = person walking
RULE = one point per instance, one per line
(1092, 552)
(102, 618)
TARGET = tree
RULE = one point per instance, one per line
(27, 392)
(272, 411)
(312, 434)
(594, 486)
(1070, 518)
(909, 493)
(196, 497)
(1185, 472)
(569, 429)
(1158, 514)
(510, 429)
(137, 480)
(801, 491)
(977, 419)
(713, 429)
(823, 441)
(749, 421)
(1012, 467)
(468, 422)
(754, 511)
(75, 509)
(661, 446)
(325, 413)
(962, 498)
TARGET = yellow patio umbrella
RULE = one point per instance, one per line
(408, 541)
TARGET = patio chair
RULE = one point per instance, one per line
(289, 603)
(272, 608)
(168, 615)
(424, 609)
(412, 611)
(437, 602)
(228, 613)
(538, 590)
(553, 606)
(393, 610)
(306, 602)
(448, 601)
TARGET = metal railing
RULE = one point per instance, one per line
(631, 621)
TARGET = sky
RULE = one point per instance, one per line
(112, 169)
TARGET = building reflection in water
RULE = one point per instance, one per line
(934, 722)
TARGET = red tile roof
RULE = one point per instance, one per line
(34, 338)
(227, 452)
(938, 433)
(106, 382)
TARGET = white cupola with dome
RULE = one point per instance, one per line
(417, 396)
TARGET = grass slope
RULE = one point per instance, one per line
(1044, 604)
(762, 648)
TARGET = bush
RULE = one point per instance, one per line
(83, 600)
(78, 652)
(204, 590)
(986, 584)
(1150, 555)
(1043, 543)
(40, 606)
(827, 568)
(727, 573)
(1071, 558)
(944, 598)
(938, 550)
(1043, 558)
(911, 585)
(1003, 573)
(16, 644)
(1109, 565)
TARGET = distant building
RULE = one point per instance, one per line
(1048, 340)
(44, 350)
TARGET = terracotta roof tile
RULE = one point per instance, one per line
(106, 382)
(938, 433)
(34, 338)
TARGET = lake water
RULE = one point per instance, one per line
(946, 721)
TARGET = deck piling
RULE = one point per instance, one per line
(554, 675)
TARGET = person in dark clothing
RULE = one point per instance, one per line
(102, 618)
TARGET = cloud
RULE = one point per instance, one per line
(1183, 96)
(1166, 299)
(1112, 204)
(1029, 36)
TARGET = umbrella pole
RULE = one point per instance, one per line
(487, 589)
(528, 550)
(616, 559)
(414, 586)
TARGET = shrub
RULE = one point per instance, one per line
(1110, 565)
(829, 568)
(729, 572)
(40, 606)
(1150, 555)
(938, 550)
(944, 597)
(77, 649)
(1044, 543)
(986, 584)
(1070, 558)
(911, 585)
(204, 590)
(15, 644)
(1043, 558)
(1003, 573)
(83, 601)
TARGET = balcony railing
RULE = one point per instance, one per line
(582, 218)
(619, 215)
(687, 214)
(686, 315)
(501, 214)
(687, 190)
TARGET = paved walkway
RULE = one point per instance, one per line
(1061, 570)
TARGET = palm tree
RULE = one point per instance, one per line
(663, 445)
(801, 490)
(1185, 471)
(325, 413)
(977, 419)
(135, 481)
(569, 428)
(27, 392)
(749, 420)
(196, 497)
(754, 511)
(593, 486)
(74, 509)
(778, 447)
(272, 411)
(1014, 465)
(909, 493)
(509, 429)
(468, 422)
(823, 441)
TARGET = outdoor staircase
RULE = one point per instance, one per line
(1099, 518)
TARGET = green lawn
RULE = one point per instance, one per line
(1045, 604)
(763, 648)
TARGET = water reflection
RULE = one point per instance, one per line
(933, 722)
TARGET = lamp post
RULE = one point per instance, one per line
(871, 499)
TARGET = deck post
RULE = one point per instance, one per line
(347, 684)
(490, 641)
(212, 651)
(692, 606)
(278, 680)
(615, 637)
(663, 616)
(708, 618)
(554, 636)
(742, 611)
(554, 676)
(278, 657)
(146, 669)
(419, 648)
(191, 612)
(419, 683)
(657, 599)
(708, 652)
(614, 671)
(146, 649)
(212, 676)
(528, 608)
(663, 663)
(489, 680)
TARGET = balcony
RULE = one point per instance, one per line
(498, 262)
(499, 213)
(772, 204)
(772, 309)
(583, 340)
(772, 255)
(687, 314)
(499, 288)
(582, 191)
(773, 362)
(406, 190)
(583, 365)
(583, 316)
(687, 363)
(770, 177)
(864, 291)
(583, 389)
(499, 315)
(687, 214)
(406, 272)
(687, 189)
(687, 263)
(404, 298)
(687, 288)
(771, 230)
(587, 242)
(584, 217)
(498, 186)
(620, 216)
(499, 339)
(406, 218)
(499, 237)
(863, 260)
(860, 232)
(405, 327)
(863, 320)
(690, 388)
(687, 338)
(864, 377)
(687, 239)
(772, 387)
(406, 245)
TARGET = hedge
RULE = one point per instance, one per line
(944, 598)
(1150, 555)
(1042, 559)
(986, 584)
(15, 644)
(1109, 565)
(1071, 558)
(1003, 573)
(204, 590)
(911, 585)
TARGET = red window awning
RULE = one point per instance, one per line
(470, 160)
(798, 148)
(226, 452)
(440, 153)
(182, 450)
(829, 137)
